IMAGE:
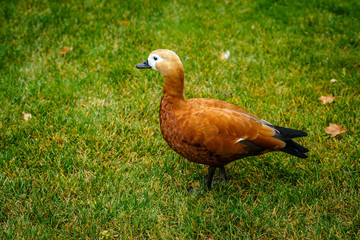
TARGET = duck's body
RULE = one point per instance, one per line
(210, 131)
(196, 129)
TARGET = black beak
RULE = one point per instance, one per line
(143, 65)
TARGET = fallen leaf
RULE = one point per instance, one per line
(327, 99)
(225, 55)
(27, 116)
(124, 23)
(333, 80)
(334, 129)
(65, 50)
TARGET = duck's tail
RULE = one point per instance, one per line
(292, 147)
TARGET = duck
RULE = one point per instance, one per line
(210, 131)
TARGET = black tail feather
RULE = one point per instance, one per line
(292, 147)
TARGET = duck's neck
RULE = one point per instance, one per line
(174, 85)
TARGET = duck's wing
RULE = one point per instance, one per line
(226, 131)
(247, 130)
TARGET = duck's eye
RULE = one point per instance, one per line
(155, 58)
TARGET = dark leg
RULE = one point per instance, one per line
(210, 177)
(223, 173)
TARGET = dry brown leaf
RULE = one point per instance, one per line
(225, 55)
(333, 80)
(334, 129)
(65, 50)
(124, 23)
(327, 99)
(27, 116)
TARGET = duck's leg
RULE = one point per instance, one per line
(223, 173)
(209, 180)
(210, 177)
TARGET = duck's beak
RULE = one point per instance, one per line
(143, 65)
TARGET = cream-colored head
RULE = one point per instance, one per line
(164, 61)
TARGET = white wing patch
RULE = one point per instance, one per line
(240, 139)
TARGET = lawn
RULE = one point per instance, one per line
(90, 161)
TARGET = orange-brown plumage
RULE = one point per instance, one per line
(210, 131)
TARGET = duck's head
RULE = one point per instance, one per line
(164, 61)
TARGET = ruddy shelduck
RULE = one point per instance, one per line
(210, 131)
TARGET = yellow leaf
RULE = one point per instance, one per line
(124, 23)
(225, 55)
(334, 129)
(27, 116)
(65, 50)
(327, 99)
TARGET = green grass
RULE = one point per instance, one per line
(91, 162)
